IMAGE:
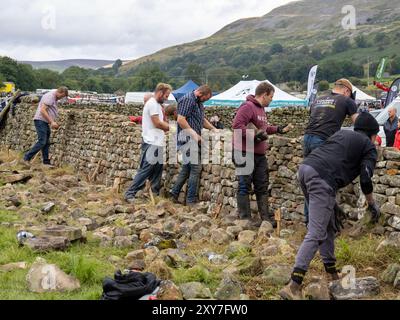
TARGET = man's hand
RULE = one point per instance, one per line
(260, 136)
(285, 129)
(54, 125)
(375, 212)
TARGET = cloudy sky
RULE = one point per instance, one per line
(111, 29)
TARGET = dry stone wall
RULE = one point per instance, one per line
(107, 146)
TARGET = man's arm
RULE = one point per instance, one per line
(159, 124)
(45, 114)
(354, 117)
(208, 125)
(242, 120)
(182, 122)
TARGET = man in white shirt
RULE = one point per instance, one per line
(154, 126)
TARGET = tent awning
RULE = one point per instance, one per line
(186, 88)
(362, 96)
(235, 96)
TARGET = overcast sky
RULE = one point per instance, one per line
(111, 29)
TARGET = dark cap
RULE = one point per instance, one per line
(367, 123)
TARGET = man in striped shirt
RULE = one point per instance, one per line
(191, 121)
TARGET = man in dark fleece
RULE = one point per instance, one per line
(327, 115)
(334, 165)
(251, 131)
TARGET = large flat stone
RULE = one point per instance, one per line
(45, 244)
(363, 288)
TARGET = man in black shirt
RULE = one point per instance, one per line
(327, 116)
(334, 165)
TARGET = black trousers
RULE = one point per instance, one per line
(258, 176)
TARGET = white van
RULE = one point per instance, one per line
(384, 116)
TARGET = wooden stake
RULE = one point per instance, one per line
(94, 175)
(278, 219)
(148, 185)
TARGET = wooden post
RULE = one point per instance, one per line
(278, 219)
(153, 201)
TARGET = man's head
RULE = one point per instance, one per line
(162, 92)
(147, 97)
(392, 112)
(203, 93)
(343, 87)
(265, 94)
(367, 123)
(61, 93)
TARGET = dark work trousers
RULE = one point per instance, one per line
(258, 177)
(43, 144)
(321, 199)
(147, 171)
(311, 143)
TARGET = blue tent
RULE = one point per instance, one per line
(188, 87)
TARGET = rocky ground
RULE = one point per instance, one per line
(85, 232)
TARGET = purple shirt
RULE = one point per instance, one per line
(49, 99)
(251, 112)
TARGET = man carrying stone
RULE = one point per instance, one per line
(327, 116)
(191, 122)
(250, 147)
(154, 126)
(334, 165)
(45, 120)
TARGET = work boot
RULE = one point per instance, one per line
(244, 207)
(265, 215)
(292, 291)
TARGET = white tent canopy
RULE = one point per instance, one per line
(236, 95)
(362, 96)
(138, 97)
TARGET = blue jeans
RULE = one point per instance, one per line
(148, 171)
(43, 132)
(192, 172)
(310, 144)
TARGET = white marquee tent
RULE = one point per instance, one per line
(138, 97)
(236, 95)
(362, 96)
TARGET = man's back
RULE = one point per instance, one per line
(339, 160)
(328, 114)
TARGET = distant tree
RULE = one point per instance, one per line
(48, 79)
(361, 41)
(323, 85)
(276, 48)
(341, 45)
(256, 73)
(117, 64)
(317, 54)
(26, 78)
(304, 50)
(395, 66)
(195, 72)
(147, 77)
(76, 73)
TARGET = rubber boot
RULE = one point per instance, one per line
(265, 215)
(244, 207)
(293, 291)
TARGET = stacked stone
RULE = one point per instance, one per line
(107, 146)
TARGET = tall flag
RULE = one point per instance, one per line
(311, 81)
(393, 92)
(314, 94)
(381, 68)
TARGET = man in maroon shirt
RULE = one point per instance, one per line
(251, 131)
